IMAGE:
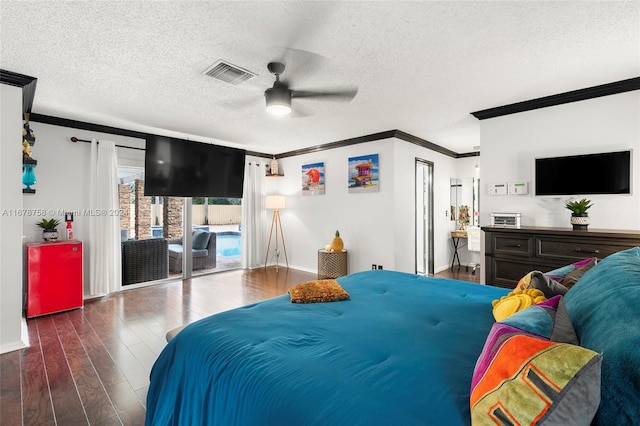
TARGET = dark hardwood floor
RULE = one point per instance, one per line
(461, 273)
(91, 365)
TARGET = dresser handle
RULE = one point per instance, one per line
(512, 245)
(587, 251)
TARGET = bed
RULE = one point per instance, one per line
(401, 350)
(384, 356)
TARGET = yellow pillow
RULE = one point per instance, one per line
(516, 301)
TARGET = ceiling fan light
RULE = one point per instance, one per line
(278, 109)
(278, 101)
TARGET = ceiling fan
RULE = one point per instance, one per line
(278, 97)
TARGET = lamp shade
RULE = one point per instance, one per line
(278, 101)
(275, 202)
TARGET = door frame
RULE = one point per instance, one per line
(427, 223)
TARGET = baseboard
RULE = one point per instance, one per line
(19, 344)
(442, 268)
(299, 268)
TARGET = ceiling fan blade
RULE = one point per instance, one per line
(338, 95)
(302, 63)
(300, 112)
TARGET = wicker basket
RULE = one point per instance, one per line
(332, 264)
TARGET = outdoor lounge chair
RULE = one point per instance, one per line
(144, 260)
(203, 251)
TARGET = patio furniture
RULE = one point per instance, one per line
(203, 251)
(144, 260)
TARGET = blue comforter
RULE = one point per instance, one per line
(401, 351)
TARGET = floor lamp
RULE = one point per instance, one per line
(276, 202)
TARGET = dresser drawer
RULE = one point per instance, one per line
(512, 245)
(510, 253)
(571, 250)
(506, 273)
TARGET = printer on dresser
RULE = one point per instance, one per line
(511, 253)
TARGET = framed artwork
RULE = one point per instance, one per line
(313, 179)
(364, 174)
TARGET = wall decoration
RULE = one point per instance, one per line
(313, 179)
(28, 162)
(364, 174)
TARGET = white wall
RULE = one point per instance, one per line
(62, 177)
(12, 325)
(444, 169)
(511, 143)
(376, 227)
(310, 222)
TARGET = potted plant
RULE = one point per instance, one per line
(49, 229)
(579, 215)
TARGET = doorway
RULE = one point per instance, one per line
(424, 217)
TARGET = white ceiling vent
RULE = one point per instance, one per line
(229, 73)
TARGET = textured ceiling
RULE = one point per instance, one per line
(421, 67)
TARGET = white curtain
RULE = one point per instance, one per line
(253, 215)
(104, 222)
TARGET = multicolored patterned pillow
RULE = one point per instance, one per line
(530, 370)
(317, 291)
(534, 381)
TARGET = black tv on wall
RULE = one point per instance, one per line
(604, 173)
(181, 168)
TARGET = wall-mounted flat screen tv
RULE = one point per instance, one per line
(605, 173)
(181, 168)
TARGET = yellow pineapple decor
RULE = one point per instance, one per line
(336, 243)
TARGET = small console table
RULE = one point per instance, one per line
(331, 264)
(456, 236)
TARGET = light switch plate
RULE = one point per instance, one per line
(518, 188)
(497, 189)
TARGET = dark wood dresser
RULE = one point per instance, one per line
(510, 253)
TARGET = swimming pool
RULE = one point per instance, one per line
(229, 244)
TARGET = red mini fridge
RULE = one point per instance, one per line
(54, 277)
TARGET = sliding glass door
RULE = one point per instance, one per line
(186, 236)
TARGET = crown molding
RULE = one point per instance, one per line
(27, 83)
(561, 98)
(338, 144)
(398, 134)
(75, 124)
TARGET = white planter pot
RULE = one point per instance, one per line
(580, 222)
(50, 236)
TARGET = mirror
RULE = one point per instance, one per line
(464, 202)
(476, 202)
(456, 193)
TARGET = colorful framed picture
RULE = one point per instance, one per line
(313, 179)
(364, 174)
